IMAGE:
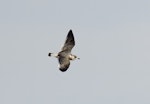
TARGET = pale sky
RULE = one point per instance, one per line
(112, 40)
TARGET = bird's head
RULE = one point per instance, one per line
(73, 57)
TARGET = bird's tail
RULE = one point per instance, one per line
(50, 54)
(53, 54)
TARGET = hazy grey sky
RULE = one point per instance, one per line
(112, 40)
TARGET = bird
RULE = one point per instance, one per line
(65, 56)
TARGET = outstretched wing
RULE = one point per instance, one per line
(69, 43)
(64, 63)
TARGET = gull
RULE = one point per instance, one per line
(64, 56)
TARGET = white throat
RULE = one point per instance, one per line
(72, 57)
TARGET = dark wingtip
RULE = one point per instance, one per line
(70, 31)
(62, 70)
(70, 34)
(49, 54)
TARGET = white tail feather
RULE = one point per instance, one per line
(53, 54)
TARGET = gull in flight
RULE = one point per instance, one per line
(64, 56)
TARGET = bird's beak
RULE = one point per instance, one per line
(78, 58)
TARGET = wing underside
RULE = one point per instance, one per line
(64, 63)
(69, 43)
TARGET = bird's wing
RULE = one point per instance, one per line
(64, 63)
(69, 43)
